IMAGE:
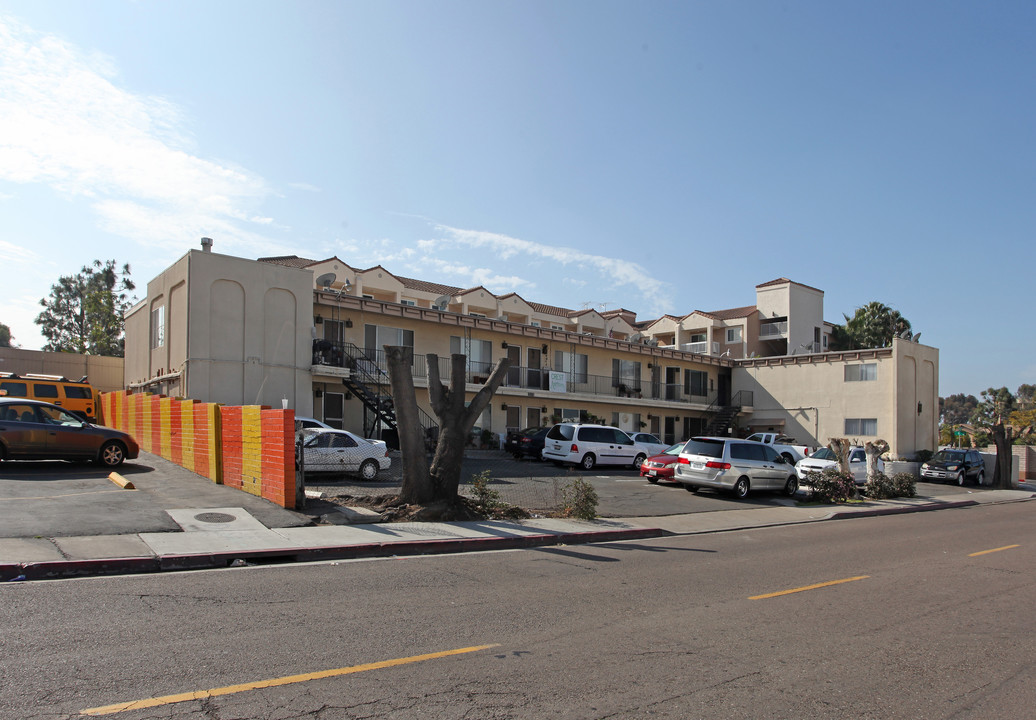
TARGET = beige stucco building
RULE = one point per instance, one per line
(225, 329)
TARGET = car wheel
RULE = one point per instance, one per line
(960, 477)
(369, 469)
(792, 486)
(980, 480)
(788, 459)
(639, 460)
(741, 488)
(652, 478)
(588, 461)
(517, 456)
(112, 454)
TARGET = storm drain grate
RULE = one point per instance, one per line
(214, 517)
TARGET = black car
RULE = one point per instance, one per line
(956, 466)
(529, 443)
(511, 443)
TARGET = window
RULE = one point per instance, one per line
(864, 372)
(698, 338)
(78, 391)
(475, 314)
(15, 389)
(479, 353)
(556, 327)
(411, 303)
(535, 323)
(626, 373)
(734, 335)
(45, 391)
(696, 382)
(158, 327)
(575, 364)
(861, 426)
(376, 337)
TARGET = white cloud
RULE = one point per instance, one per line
(65, 123)
(305, 187)
(11, 253)
(614, 272)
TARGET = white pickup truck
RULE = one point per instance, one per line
(783, 445)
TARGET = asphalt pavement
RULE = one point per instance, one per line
(65, 520)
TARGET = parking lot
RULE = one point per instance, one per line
(61, 499)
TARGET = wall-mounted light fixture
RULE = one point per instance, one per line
(318, 393)
(918, 408)
(348, 323)
(543, 409)
(504, 344)
(318, 320)
(546, 349)
(650, 366)
(503, 406)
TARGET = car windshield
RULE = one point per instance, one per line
(948, 456)
(823, 454)
(675, 449)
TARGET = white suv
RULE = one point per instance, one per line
(589, 445)
(734, 465)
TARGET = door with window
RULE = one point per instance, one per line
(514, 372)
(334, 409)
(534, 378)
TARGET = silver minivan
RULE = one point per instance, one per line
(737, 466)
(589, 445)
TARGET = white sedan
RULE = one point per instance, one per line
(329, 450)
(649, 443)
(825, 458)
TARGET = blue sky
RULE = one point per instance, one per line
(659, 156)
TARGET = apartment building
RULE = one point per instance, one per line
(311, 333)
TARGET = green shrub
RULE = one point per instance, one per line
(486, 499)
(879, 487)
(923, 455)
(831, 485)
(579, 500)
(905, 484)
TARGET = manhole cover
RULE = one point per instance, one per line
(214, 517)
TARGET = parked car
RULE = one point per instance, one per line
(661, 466)
(530, 443)
(330, 450)
(308, 422)
(737, 466)
(825, 458)
(649, 443)
(590, 445)
(34, 430)
(956, 466)
(511, 440)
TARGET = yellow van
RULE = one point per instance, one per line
(76, 396)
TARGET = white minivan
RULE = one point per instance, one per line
(589, 445)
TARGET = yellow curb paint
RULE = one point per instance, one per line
(275, 682)
(121, 481)
(986, 552)
(808, 587)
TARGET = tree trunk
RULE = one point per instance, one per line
(417, 488)
(1004, 458)
(840, 447)
(873, 451)
(456, 420)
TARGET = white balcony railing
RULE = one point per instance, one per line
(773, 329)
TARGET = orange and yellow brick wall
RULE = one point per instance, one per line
(250, 447)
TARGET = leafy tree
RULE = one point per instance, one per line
(992, 414)
(957, 409)
(871, 326)
(5, 336)
(84, 313)
(1024, 396)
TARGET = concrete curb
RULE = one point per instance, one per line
(56, 569)
(902, 509)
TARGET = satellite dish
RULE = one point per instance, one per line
(325, 280)
(635, 337)
(441, 303)
(917, 337)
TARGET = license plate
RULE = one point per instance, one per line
(698, 466)
(652, 472)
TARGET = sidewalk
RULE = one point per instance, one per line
(230, 537)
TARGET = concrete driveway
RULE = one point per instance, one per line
(63, 499)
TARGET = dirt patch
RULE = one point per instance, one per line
(392, 510)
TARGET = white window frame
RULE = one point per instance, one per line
(858, 427)
(734, 330)
(861, 372)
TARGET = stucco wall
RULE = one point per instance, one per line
(104, 373)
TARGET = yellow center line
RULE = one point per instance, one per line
(274, 682)
(808, 587)
(986, 552)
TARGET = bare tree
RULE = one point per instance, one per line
(874, 450)
(992, 415)
(423, 484)
(840, 447)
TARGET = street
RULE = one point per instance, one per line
(923, 615)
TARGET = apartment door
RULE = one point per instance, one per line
(334, 409)
(514, 372)
(514, 418)
(532, 417)
(672, 384)
(533, 378)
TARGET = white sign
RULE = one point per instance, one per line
(557, 382)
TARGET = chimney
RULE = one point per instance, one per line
(206, 244)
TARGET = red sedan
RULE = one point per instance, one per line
(660, 467)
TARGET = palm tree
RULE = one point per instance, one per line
(872, 326)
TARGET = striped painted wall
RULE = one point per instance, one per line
(250, 448)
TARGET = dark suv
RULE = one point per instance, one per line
(956, 466)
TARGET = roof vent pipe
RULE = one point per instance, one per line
(206, 244)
